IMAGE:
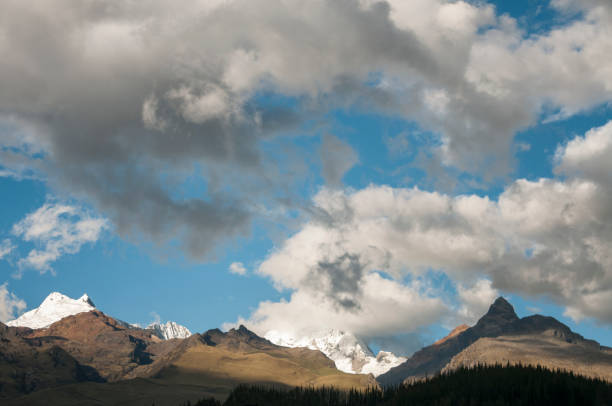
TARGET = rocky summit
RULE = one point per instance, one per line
(500, 336)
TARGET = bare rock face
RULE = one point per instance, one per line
(486, 341)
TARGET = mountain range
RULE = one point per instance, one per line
(67, 352)
(91, 358)
(57, 306)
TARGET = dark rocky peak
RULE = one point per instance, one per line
(242, 331)
(213, 337)
(244, 338)
(241, 334)
(502, 308)
(498, 319)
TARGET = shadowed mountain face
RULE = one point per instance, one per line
(27, 365)
(545, 333)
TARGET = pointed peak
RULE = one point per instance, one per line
(86, 299)
(502, 306)
(500, 314)
(243, 333)
(55, 307)
(242, 330)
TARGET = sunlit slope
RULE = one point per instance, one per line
(547, 349)
(242, 357)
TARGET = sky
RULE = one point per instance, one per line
(386, 168)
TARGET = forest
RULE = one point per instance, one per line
(480, 385)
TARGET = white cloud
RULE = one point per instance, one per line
(237, 268)
(6, 247)
(384, 307)
(539, 238)
(475, 300)
(56, 229)
(10, 305)
(588, 156)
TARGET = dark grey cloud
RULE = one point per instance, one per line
(339, 279)
(126, 101)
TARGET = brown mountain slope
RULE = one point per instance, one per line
(27, 365)
(500, 320)
(107, 345)
(433, 358)
(546, 349)
(208, 364)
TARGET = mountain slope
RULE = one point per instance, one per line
(546, 333)
(240, 356)
(349, 353)
(54, 308)
(548, 349)
(30, 365)
(104, 343)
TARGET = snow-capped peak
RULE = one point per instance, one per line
(349, 353)
(54, 308)
(169, 330)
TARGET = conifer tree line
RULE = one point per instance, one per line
(496, 385)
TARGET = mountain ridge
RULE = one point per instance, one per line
(499, 321)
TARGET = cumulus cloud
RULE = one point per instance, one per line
(10, 305)
(588, 156)
(56, 229)
(385, 307)
(543, 238)
(136, 98)
(237, 268)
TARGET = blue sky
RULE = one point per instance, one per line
(386, 168)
